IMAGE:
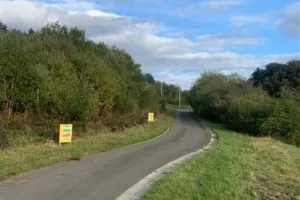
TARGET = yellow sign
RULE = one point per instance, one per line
(65, 133)
(150, 117)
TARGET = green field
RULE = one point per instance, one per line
(15, 160)
(240, 167)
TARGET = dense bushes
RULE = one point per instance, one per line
(211, 94)
(56, 76)
(246, 113)
(233, 101)
(284, 122)
(170, 93)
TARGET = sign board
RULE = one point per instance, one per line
(65, 133)
(150, 117)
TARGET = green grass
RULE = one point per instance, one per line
(240, 167)
(15, 160)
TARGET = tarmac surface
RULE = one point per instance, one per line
(105, 176)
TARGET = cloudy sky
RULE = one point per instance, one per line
(176, 40)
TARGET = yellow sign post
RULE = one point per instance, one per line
(65, 133)
(150, 117)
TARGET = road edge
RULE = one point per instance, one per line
(2, 180)
(138, 190)
(150, 140)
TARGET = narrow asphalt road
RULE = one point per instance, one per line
(104, 176)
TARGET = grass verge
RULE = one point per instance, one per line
(21, 159)
(240, 167)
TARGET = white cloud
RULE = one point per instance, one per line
(221, 4)
(244, 72)
(289, 24)
(74, 4)
(157, 54)
(222, 40)
(173, 33)
(243, 19)
(98, 13)
(24, 14)
(207, 6)
(185, 80)
(225, 60)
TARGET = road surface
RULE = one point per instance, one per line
(105, 176)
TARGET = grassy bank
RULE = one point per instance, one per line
(20, 159)
(240, 167)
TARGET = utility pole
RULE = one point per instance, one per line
(179, 99)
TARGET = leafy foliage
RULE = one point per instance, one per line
(233, 101)
(185, 97)
(277, 76)
(55, 75)
(211, 94)
(246, 113)
(283, 123)
(171, 93)
(3, 26)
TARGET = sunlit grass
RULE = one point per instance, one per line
(240, 167)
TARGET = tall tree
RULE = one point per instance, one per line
(149, 78)
(31, 31)
(276, 76)
(3, 26)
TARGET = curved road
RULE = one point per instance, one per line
(105, 176)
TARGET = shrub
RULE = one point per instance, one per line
(3, 137)
(212, 92)
(57, 75)
(284, 122)
(162, 105)
(246, 113)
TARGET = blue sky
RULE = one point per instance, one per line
(183, 16)
(177, 40)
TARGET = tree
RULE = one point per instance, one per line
(57, 76)
(31, 31)
(149, 78)
(3, 26)
(276, 76)
(211, 94)
(185, 97)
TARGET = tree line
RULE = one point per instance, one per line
(171, 92)
(267, 104)
(55, 75)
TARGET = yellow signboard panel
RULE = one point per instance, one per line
(150, 117)
(65, 133)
